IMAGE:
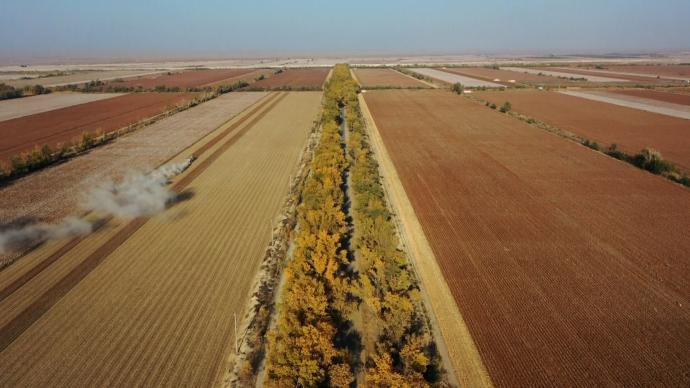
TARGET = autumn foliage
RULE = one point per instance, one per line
(342, 268)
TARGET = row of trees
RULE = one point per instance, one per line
(308, 347)
(97, 86)
(314, 341)
(404, 353)
(8, 92)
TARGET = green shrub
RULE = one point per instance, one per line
(651, 160)
(591, 144)
(613, 151)
(457, 88)
(506, 107)
(492, 106)
(7, 92)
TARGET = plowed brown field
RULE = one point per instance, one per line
(151, 301)
(187, 79)
(312, 78)
(370, 78)
(67, 124)
(569, 267)
(631, 129)
(668, 70)
(504, 76)
(675, 98)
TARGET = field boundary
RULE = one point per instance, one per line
(431, 85)
(467, 367)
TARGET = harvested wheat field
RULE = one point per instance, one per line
(187, 79)
(569, 267)
(386, 78)
(294, 79)
(605, 123)
(80, 77)
(107, 316)
(20, 107)
(68, 124)
(53, 193)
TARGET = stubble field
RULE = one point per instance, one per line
(166, 319)
(569, 267)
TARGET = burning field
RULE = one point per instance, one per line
(569, 267)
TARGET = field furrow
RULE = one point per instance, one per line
(570, 268)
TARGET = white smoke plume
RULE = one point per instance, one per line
(137, 195)
(18, 239)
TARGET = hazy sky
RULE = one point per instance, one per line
(93, 28)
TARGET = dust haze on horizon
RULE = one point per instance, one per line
(38, 31)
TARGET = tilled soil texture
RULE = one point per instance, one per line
(152, 301)
(631, 129)
(20, 107)
(386, 78)
(503, 76)
(295, 79)
(570, 268)
(187, 79)
(646, 104)
(674, 98)
(69, 124)
(682, 71)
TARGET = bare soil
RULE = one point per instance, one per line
(187, 79)
(605, 123)
(68, 124)
(369, 78)
(569, 267)
(311, 78)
